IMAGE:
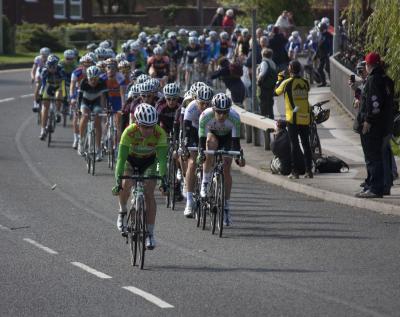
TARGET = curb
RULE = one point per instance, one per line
(322, 194)
(15, 66)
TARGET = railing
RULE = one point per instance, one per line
(339, 86)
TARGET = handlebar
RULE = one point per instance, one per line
(141, 177)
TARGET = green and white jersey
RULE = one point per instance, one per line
(208, 123)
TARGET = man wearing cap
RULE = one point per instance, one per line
(376, 124)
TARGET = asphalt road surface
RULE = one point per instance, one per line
(285, 255)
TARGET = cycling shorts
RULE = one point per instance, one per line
(224, 141)
(115, 103)
(52, 92)
(146, 165)
(95, 108)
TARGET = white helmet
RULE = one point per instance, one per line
(325, 20)
(146, 114)
(213, 35)
(155, 82)
(86, 59)
(192, 40)
(204, 93)
(221, 102)
(69, 54)
(158, 50)
(142, 78)
(182, 32)
(195, 86)
(193, 33)
(221, 11)
(45, 51)
(172, 90)
(134, 91)
(142, 35)
(120, 57)
(295, 34)
(104, 44)
(245, 32)
(93, 72)
(229, 13)
(224, 35)
(134, 46)
(148, 87)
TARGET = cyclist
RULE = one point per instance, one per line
(51, 87)
(192, 52)
(219, 128)
(215, 48)
(116, 86)
(92, 98)
(295, 45)
(191, 117)
(226, 46)
(142, 145)
(204, 57)
(168, 109)
(243, 45)
(158, 64)
(38, 64)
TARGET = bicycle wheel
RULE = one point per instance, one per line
(132, 235)
(203, 211)
(220, 202)
(170, 163)
(197, 204)
(89, 151)
(93, 154)
(141, 230)
(213, 205)
(51, 126)
(173, 183)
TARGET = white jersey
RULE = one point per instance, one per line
(192, 113)
(208, 123)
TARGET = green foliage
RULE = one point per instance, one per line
(8, 39)
(31, 37)
(269, 10)
(169, 12)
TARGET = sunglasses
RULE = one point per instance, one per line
(69, 59)
(171, 99)
(204, 103)
(146, 95)
(221, 112)
(110, 67)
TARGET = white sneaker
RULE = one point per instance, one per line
(75, 144)
(81, 150)
(227, 217)
(179, 174)
(203, 190)
(188, 212)
(99, 156)
(121, 221)
(150, 242)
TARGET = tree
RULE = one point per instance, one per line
(269, 10)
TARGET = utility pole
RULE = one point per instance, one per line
(200, 12)
(1, 28)
(336, 26)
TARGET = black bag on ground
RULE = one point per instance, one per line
(330, 164)
(279, 166)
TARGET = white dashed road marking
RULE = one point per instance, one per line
(7, 99)
(4, 228)
(149, 297)
(40, 246)
(26, 96)
(90, 270)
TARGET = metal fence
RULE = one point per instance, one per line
(339, 85)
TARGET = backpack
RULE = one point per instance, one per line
(236, 69)
(270, 78)
(330, 164)
(279, 166)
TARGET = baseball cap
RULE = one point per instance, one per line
(372, 58)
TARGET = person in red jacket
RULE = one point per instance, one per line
(228, 23)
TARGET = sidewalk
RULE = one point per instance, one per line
(337, 138)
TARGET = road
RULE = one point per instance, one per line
(285, 255)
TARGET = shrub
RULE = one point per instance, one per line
(31, 37)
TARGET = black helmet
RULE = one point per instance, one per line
(295, 67)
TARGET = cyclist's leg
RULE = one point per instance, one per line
(45, 112)
(190, 179)
(83, 125)
(97, 125)
(75, 126)
(227, 177)
(212, 144)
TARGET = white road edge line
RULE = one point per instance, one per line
(26, 96)
(40, 246)
(7, 99)
(4, 228)
(90, 270)
(149, 297)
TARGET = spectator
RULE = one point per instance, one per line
(283, 22)
(376, 123)
(324, 50)
(217, 19)
(228, 23)
(232, 81)
(243, 45)
(266, 80)
(295, 90)
(277, 43)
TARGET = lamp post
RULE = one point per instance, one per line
(336, 26)
(1, 27)
(200, 12)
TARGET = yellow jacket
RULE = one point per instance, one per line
(295, 90)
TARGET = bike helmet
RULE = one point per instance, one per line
(192, 40)
(52, 60)
(148, 87)
(124, 66)
(156, 83)
(213, 35)
(295, 34)
(183, 32)
(91, 47)
(322, 26)
(136, 73)
(102, 65)
(224, 36)
(135, 46)
(92, 56)
(220, 11)
(100, 52)
(325, 20)
(111, 62)
(44, 51)
(171, 90)
(142, 78)
(202, 39)
(157, 37)
(171, 35)
(120, 57)
(158, 50)
(93, 72)
(110, 53)
(322, 115)
(229, 13)
(193, 34)
(221, 102)
(69, 54)
(146, 114)
(86, 59)
(142, 35)
(204, 93)
(134, 91)
(104, 44)
(245, 32)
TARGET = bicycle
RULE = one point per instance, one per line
(215, 200)
(136, 231)
(170, 199)
(65, 111)
(318, 115)
(51, 121)
(110, 140)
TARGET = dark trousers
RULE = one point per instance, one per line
(387, 164)
(303, 131)
(323, 64)
(266, 100)
(373, 153)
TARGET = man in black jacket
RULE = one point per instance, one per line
(376, 124)
(324, 50)
(217, 18)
